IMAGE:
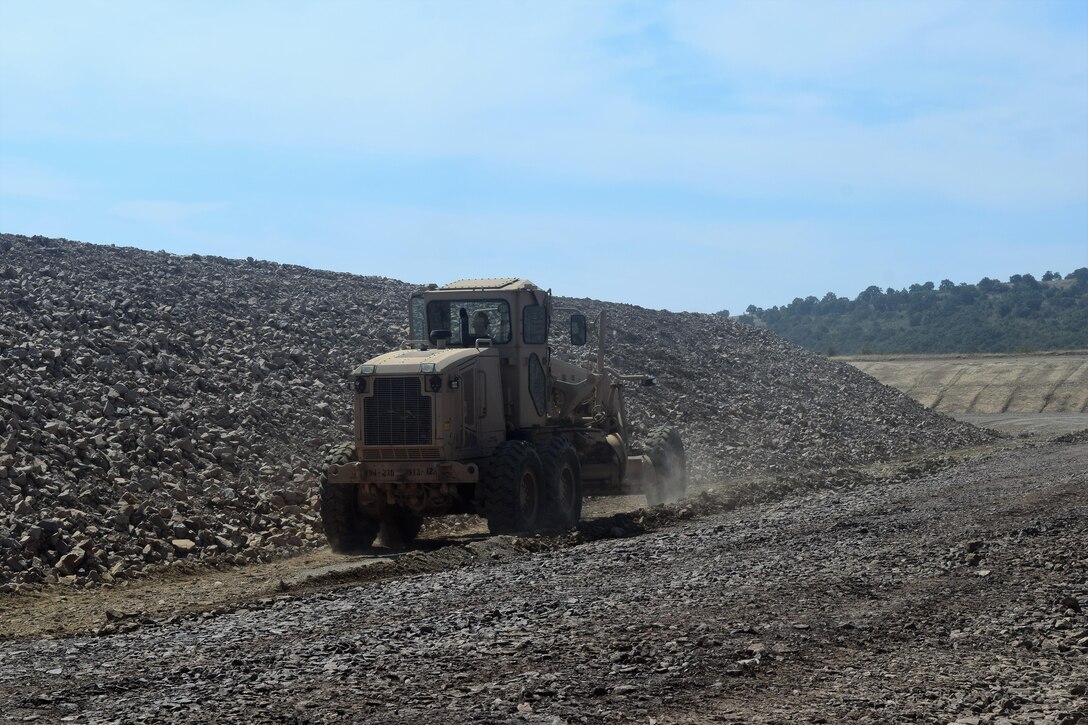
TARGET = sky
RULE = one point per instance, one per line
(691, 156)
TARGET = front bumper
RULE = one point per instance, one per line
(404, 472)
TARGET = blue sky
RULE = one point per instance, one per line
(689, 156)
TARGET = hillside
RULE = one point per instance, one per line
(1021, 315)
(148, 399)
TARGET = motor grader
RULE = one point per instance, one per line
(474, 414)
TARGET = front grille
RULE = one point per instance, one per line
(397, 414)
(400, 454)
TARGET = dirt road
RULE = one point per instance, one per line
(188, 588)
(1032, 424)
(958, 596)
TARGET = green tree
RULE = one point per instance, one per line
(990, 316)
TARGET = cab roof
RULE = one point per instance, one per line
(503, 283)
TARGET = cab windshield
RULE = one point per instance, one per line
(470, 320)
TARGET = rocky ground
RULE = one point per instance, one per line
(157, 409)
(939, 593)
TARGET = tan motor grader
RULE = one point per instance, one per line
(475, 415)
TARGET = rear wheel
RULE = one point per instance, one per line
(562, 483)
(666, 451)
(513, 489)
(347, 529)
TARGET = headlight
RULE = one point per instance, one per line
(363, 370)
(427, 367)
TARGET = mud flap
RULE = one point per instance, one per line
(640, 475)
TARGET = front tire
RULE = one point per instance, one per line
(513, 489)
(347, 530)
(562, 483)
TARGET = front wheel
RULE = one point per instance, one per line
(347, 529)
(562, 483)
(513, 489)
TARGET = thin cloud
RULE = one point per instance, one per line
(162, 213)
(24, 179)
(953, 100)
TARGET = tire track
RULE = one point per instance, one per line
(1062, 382)
(1008, 400)
(971, 405)
(947, 386)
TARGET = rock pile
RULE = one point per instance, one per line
(746, 399)
(158, 409)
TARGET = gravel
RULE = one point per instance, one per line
(953, 597)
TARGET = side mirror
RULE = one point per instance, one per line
(440, 337)
(577, 329)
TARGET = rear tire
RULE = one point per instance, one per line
(562, 483)
(666, 451)
(348, 531)
(513, 489)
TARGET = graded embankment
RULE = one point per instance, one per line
(1052, 383)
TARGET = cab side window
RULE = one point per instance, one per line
(534, 324)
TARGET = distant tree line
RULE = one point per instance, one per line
(1022, 315)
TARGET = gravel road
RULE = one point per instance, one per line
(958, 596)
